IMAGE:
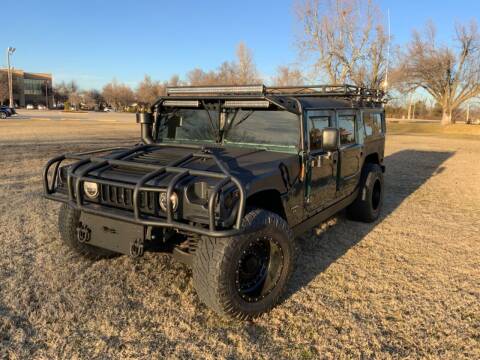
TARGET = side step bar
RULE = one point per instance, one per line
(323, 215)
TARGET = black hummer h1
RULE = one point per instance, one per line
(224, 178)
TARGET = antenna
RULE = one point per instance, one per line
(385, 83)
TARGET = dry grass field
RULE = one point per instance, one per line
(405, 286)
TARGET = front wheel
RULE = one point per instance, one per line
(3, 115)
(245, 275)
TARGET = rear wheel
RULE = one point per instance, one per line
(3, 115)
(244, 276)
(368, 204)
(68, 219)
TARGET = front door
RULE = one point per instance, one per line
(322, 167)
(351, 152)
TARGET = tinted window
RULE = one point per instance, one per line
(346, 126)
(193, 125)
(373, 123)
(316, 123)
(263, 127)
(319, 122)
(360, 130)
(377, 123)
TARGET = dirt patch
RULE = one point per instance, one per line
(405, 286)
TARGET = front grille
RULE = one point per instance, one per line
(121, 197)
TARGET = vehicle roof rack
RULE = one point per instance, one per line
(346, 91)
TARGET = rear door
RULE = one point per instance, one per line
(350, 152)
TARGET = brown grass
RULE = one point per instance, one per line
(405, 286)
(449, 131)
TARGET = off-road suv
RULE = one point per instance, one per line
(224, 178)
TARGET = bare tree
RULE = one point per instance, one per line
(199, 77)
(91, 98)
(287, 76)
(227, 74)
(174, 81)
(450, 77)
(240, 72)
(3, 86)
(149, 90)
(346, 40)
(118, 95)
(75, 99)
(63, 90)
(246, 71)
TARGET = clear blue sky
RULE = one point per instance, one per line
(95, 41)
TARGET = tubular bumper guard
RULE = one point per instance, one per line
(76, 180)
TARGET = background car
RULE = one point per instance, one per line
(4, 113)
(10, 111)
(30, 107)
(41, 107)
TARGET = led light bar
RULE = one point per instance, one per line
(196, 90)
(246, 103)
(181, 103)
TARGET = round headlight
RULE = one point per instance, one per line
(162, 200)
(90, 189)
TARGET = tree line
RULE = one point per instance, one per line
(120, 96)
(341, 41)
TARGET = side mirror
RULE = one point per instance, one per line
(330, 139)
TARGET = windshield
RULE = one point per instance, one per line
(264, 127)
(189, 125)
(230, 126)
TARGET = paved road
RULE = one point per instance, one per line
(56, 115)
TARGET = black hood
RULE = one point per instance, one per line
(256, 169)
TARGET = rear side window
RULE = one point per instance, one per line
(373, 123)
(320, 122)
(346, 126)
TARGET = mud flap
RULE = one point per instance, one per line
(118, 236)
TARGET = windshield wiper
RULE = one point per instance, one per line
(217, 133)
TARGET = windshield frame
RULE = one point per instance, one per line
(206, 105)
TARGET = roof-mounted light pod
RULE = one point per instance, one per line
(246, 104)
(181, 103)
(214, 90)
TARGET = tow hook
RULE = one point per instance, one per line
(136, 249)
(84, 233)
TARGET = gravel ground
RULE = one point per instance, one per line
(405, 286)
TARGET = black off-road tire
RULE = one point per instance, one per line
(68, 219)
(368, 204)
(216, 265)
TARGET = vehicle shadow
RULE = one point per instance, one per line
(406, 171)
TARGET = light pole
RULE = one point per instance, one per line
(10, 51)
(46, 94)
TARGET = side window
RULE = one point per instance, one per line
(377, 121)
(373, 123)
(317, 121)
(360, 130)
(368, 121)
(346, 126)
